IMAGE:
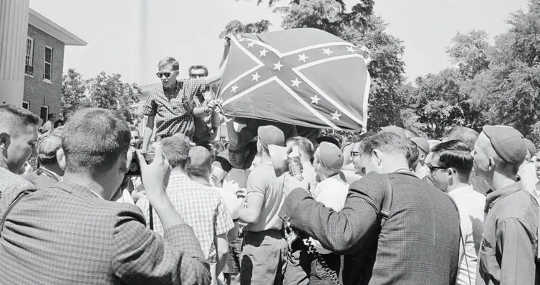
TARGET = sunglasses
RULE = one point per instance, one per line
(161, 74)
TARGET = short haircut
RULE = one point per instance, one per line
(169, 61)
(93, 139)
(463, 134)
(304, 144)
(387, 142)
(176, 150)
(194, 67)
(13, 118)
(225, 164)
(455, 154)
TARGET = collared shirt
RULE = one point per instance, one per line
(199, 205)
(508, 250)
(173, 115)
(470, 206)
(10, 181)
(43, 178)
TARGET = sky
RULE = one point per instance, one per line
(188, 30)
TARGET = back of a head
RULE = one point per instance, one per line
(94, 139)
(199, 162)
(388, 142)
(176, 150)
(463, 134)
(304, 145)
(455, 154)
(48, 146)
(506, 145)
(14, 119)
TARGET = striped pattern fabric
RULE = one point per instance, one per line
(173, 115)
(65, 234)
(197, 204)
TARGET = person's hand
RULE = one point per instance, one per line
(155, 176)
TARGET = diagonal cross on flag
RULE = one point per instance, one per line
(290, 85)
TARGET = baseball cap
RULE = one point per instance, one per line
(507, 142)
(330, 156)
(530, 146)
(271, 135)
(421, 143)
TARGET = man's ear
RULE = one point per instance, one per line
(491, 164)
(377, 154)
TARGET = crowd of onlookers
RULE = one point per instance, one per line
(101, 204)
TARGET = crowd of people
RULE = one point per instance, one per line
(387, 208)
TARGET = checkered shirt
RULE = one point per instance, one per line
(173, 115)
(10, 181)
(197, 204)
(65, 234)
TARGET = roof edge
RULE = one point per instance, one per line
(43, 23)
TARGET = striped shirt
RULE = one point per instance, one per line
(173, 114)
(198, 204)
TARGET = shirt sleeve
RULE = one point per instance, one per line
(518, 255)
(143, 205)
(224, 222)
(143, 257)
(195, 85)
(337, 231)
(256, 183)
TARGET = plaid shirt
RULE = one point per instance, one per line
(10, 181)
(197, 204)
(173, 115)
(65, 234)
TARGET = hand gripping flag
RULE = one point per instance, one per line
(304, 77)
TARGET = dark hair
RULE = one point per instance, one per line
(463, 134)
(93, 140)
(176, 150)
(191, 68)
(386, 141)
(11, 118)
(169, 61)
(225, 164)
(455, 154)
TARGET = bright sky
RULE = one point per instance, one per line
(188, 30)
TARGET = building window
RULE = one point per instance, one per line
(29, 58)
(47, 74)
(26, 105)
(44, 113)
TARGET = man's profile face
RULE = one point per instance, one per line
(167, 75)
(117, 174)
(481, 156)
(198, 73)
(23, 144)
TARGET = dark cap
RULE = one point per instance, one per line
(271, 135)
(507, 142)
(421, 143)
(330, 156)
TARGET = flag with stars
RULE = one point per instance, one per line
(304, 77)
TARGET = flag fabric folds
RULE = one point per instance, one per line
(304, 77)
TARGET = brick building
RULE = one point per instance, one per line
(44, 63)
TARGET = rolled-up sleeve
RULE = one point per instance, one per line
(518, 253)
(337, 231)
(143, 257)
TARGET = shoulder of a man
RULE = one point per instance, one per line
(11, 182)
(520, 205)
(372, 187)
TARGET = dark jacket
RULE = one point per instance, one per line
(508, 250)
(418, 244)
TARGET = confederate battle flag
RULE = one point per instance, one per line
(304, 77)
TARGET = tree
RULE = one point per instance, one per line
(73, 89)
(110, 92)
(235, 27)
(470, 53)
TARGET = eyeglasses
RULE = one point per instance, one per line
(432, 168)
(161, 74)
(355, 153)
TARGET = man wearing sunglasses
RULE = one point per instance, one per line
(170, 105)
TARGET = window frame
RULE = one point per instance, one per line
(47, 114)
(29, 57)
(27, 105)
(50, 63)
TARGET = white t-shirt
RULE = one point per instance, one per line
(470, 206)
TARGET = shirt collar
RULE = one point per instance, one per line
(50, 173)
(494, 196)
(75, 188)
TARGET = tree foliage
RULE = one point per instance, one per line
(73, 89)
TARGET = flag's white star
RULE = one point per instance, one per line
(255, 76)
(350, 49)
(302, 57)
(234, 88)
(315, 100)
(263, 52)
(251, 44)
(278, 65)
(295, 82)
(327, 51)
(336, 115)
